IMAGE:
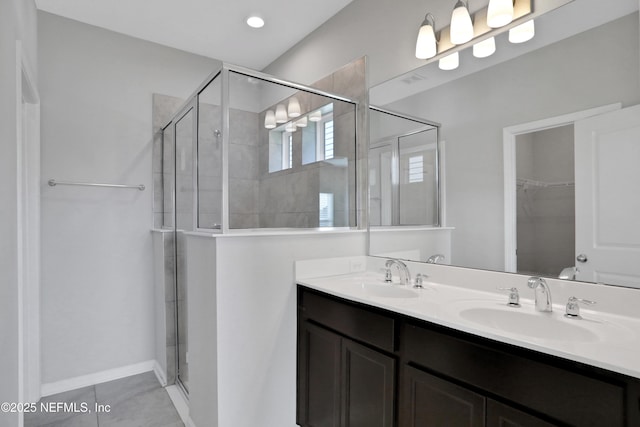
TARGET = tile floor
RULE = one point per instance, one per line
(137, 401)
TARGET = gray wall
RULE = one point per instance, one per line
(17, 22)
(96, 88)
(559, 79)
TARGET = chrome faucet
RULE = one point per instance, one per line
(543, 295)
(403, 270)
(433, 259)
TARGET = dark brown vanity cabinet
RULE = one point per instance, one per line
(342, 382)
(366, 367)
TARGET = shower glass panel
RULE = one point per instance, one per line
(184, 222)
(210, 156)
(418, 187)
(251, 151)
(168, 175)
(403, 170)
(291, 156)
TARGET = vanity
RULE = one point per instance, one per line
(372, 353)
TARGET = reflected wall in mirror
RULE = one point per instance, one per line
(577, 70)
(403, 170)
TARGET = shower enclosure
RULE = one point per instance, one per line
(249, 151)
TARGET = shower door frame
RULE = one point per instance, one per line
(190, 107)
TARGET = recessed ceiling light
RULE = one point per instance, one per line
(255, 22)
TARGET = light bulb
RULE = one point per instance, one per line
(294, 107)
(449, 62)
(426, 43)
(270, 119)
(281, 114)
(499, 13)
(522, 33)
(461, 26)
(484, 48)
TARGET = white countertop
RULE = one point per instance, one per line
(599, 339)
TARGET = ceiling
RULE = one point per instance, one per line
(212, 28)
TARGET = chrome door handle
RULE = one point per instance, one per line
(582, 258)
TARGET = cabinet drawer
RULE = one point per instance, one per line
(358, 323)
(561, 394)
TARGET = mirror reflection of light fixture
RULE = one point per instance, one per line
(461, 28)
(449, 62)
(315, 116)
(270, 119)
(484, 48)
(290, 127)
(302, 122)
(294, 107)
(426, 45)
(499, 13)
(281, 114)
(522, 33)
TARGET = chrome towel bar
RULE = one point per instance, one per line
(53, 183)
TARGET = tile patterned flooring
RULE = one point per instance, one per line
(137, 401)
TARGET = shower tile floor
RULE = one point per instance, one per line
(137, 401)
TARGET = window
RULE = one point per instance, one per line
(326, 209)
(416, 169)
(328, 139)
(290, 144)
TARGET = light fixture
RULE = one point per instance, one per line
(449, 62)
(461, 28)
(484, 48)
(426, 45)
(315, 116)
(294, 107)
(270, 119)
(281, 114)
(255, 22)
(523, 32)
(302, 122)
(499, 13)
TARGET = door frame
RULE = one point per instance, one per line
(509, 135)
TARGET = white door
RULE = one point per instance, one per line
(607, 162)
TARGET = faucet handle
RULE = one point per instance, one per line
(388, 278)
(514, 296)
(419, 280)
(573, 308)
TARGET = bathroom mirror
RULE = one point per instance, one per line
(583, 60)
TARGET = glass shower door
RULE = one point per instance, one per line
(184, 222)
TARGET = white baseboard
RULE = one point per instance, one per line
(181, 404)
(49, 389)
(160, 373)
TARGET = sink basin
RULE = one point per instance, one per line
(386, 290)
(549, 326)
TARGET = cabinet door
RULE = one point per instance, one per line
(500, 415)
(318, 377)
(428, 401)
(368, 386)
